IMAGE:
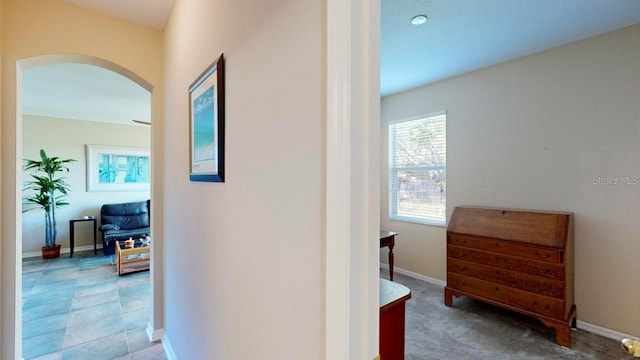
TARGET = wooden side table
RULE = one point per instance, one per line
(387, 238)
(392, 319)
(72, 224)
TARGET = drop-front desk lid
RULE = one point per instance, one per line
(542, 228)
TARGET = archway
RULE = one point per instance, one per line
(15, 248)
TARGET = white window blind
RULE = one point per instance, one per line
(418, 170)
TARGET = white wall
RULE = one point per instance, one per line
(3, 265)
(533, 133)
(67, 139)
(33, 28)
(244, 263)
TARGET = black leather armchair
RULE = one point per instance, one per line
(122, 221)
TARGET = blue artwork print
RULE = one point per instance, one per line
(203, 127)
(123, 169)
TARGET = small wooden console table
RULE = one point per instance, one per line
(387, 238)
(392, 316)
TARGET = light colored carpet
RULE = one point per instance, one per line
(473, 330)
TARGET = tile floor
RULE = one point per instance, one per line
(79, 308)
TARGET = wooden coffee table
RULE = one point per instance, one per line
(132, 259)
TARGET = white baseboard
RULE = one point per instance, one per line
(168, 350)
(159, 335)
(62, 251)
(397, 270)
(602, 331)
(154, 335)
(582, 325)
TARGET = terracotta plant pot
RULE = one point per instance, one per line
(51, 252)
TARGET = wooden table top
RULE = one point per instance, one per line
(392, 292)
(384, 234)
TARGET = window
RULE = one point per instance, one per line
(418, 169)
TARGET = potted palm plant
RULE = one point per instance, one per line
(49, 192)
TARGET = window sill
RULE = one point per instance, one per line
(429, 222)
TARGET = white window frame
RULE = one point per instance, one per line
(393, 183)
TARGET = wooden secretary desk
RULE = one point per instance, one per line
(516, 259)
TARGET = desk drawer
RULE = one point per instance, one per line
(531, 267)
(506, 247)
(539, 304)
(548, 287)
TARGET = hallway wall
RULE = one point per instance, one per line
(33, 28)
(244, 263)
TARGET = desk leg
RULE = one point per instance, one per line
(95, 244)
(71, 236)
(391, 261)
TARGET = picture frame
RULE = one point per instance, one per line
(206, 124)
(115, 168)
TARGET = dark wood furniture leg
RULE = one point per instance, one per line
(391, 260)
(563, 328)
(448, 297)
(387, 239)
(95, 243)
(71, 235)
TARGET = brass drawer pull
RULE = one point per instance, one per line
(545, 256)
(536, 305)
(543, 271)
(460, 283)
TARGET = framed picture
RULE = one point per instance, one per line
(113, 168)
(206, 113)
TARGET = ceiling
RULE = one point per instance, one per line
(459, 36)
(149, 13)
(83, 92)
(465, 35)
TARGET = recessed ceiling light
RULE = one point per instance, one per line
(419, 19)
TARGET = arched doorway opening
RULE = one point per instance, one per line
(17, 247)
